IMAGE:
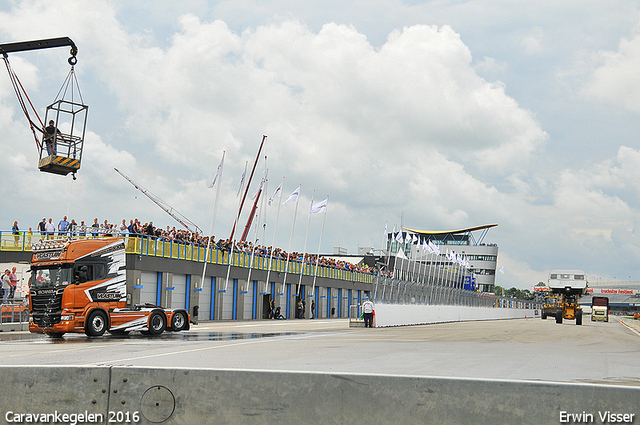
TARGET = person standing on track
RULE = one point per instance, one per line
(367, 311)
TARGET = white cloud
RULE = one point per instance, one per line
(616, 80)
(533, 43)
(490, 66)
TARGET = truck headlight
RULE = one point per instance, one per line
(66, 318)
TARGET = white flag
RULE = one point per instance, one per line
(293, 197)
(415, 239)
(242, 179)
(501, 270)
(320, 207)
(218, 172)
(262, 182)
(276, 194)
(399, 238)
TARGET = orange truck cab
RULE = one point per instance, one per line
(80, 286)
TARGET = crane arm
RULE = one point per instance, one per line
(188, 224)
(47, 43)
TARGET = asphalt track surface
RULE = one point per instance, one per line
(522, 349)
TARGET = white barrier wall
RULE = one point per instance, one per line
(409, 314)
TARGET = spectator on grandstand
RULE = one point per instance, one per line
(82, 231)
(50, 228)
(63, 225)
(16, 232)
(123, 228)
(95, 227)
(42, 226)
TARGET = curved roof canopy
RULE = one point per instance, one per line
(453, 232)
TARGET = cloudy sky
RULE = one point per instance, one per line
(433, 115)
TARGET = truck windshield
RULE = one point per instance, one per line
(46, 277)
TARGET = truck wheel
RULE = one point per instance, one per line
(157, 323)
(97, 323)
(579, 317)
(559, 316)
(543, 316)
(178, 321)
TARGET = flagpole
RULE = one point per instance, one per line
(275, 229)
(233, 242)
(384, 289)
(295, 213)
(213, 217)
(375, 291)
(432, 272)
(315, 274)
(439, 278)
(431, 269)
(420, 276)
(264, 137)
(393, 277)
(226, 282)
(304, 250)
(255, 238)
(449, 277)
(413, 272)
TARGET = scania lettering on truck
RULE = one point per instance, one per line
(600, 309)
(80, 286)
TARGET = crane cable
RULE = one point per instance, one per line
(70, 81)
(17, 87)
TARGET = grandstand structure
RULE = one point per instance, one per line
(469, 242)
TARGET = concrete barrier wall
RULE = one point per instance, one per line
(632, 324)
(409, 314)
(13, 327)
(199, 396)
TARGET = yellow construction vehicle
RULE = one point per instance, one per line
(568, 286)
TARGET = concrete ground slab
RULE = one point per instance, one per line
(533, 349)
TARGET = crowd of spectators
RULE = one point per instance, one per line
(136, 228)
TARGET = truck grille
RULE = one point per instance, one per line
(46, 304)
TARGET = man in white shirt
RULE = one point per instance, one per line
(367, 312)
(6, 286)
(50, 228)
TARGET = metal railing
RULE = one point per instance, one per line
(15, 312)
(158, 247)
